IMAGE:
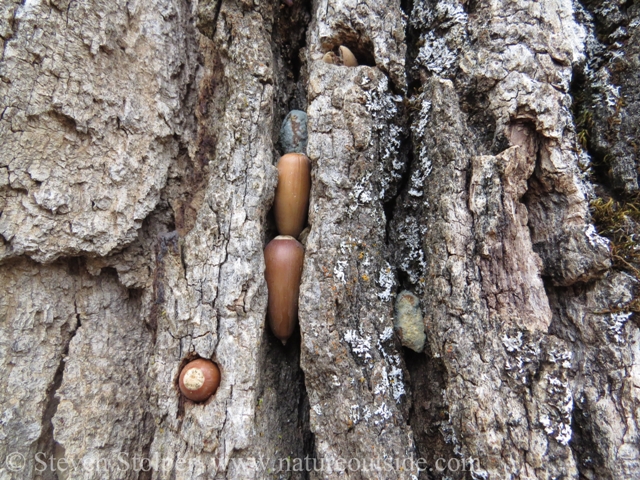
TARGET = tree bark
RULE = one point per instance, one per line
(483, 156)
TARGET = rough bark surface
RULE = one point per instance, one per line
(461, 161)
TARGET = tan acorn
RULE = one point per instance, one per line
(347, 57)
(199, 379)
(331, 58)
(291, 202)
(283, 258)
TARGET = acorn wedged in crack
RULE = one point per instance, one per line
(291, 201)
(344, 57)
(283, 258)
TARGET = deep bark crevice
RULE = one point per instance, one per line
(282, 410)
(583, 445)
(581, 107)
(46, 444)
(604, 93)
(288, 43)
(399, 189)
(429, 413)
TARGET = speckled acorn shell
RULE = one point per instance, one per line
(293, 133)
(291, 202)
(199, 379)
(283, 258)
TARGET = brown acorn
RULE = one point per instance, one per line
(283, 258)
(199, 379)
(292, 194)
(347, 57)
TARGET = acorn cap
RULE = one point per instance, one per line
(283, 257)
(199, 379)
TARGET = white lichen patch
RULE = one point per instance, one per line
(394, 378)
(346, 246)
(387, 334)
(435, 55)
(439, 51)
(557, 422)
(382, 387)
(380, 104)
(615, 325)
(448, 433)
(390, 150)
(338, 271)
(387, 281)
(418, 129)
(361, 194)
(413, 260)
(562, 358)
(594, 238)
(396, 382)
(525, 359)
(383, 109)
(193, 379)
(512, 344)
(366, 413)
(354, 413)
(416, 183)
(361, 346)
(384, 413)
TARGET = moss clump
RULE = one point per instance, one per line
(584, 123)
(619, 221)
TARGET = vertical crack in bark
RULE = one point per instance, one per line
(282, 406)
(47, 447)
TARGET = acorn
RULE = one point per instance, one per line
(331, 58)
(283, 258)
(347, 57)
(291, 201)
(199, 379)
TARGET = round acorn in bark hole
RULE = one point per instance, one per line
(283, 258)
(291, 201)
(199, 379)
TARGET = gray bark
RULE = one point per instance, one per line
(460, 161)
